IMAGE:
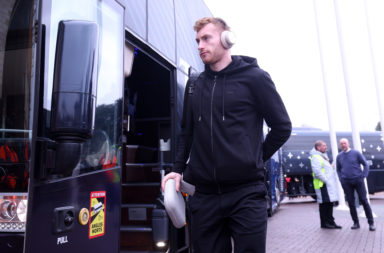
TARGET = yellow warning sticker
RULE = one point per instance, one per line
(97, 217)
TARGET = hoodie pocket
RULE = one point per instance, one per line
(236, 161)
(250, 152)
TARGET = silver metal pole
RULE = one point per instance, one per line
(375, 73)
(355, 133)
(332, 133)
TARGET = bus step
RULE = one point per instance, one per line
(142, 184)
(134, 205)
(143, 229)
(142, 165)
(154, 166)
(140, 251)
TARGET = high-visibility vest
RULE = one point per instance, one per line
(317, 183)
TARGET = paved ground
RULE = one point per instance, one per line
(295, 227)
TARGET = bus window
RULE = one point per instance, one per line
(16, 70)
(100, 151)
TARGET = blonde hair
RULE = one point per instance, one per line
(210, 20)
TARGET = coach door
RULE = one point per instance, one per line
(146, 151)
(74, 192)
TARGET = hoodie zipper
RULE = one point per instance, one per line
(213, 91)
(213, 157)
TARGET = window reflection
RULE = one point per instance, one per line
(15, 94)
(99, 152)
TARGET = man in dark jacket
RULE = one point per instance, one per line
(221, 149)
(348, 164)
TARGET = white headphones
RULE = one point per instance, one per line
(228, 39)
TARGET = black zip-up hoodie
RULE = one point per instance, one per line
(222, 127)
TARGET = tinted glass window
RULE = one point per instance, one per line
(101, 150)
(16, 73)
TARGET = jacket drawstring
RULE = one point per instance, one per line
(223, 98)
(201, 102)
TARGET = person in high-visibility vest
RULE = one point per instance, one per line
(325, 184)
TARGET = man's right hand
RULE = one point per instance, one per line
(173, 175)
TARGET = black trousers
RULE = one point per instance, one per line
(241, 214)
(357, 185)
(326, 208)
(326, 214)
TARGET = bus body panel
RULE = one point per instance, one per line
(167, 26)
(76, 192)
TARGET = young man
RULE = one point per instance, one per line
(222, 140)
(351, 176)
(325, 184)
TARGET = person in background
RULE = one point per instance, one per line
(325, 184)
(348, 164)
(222, 141)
